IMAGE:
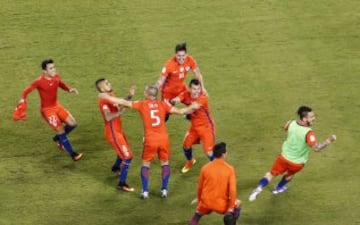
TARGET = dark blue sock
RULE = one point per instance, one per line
(195, 219)
(188, 153)
(67, 129)
(117, 162)
(145, 178)
(65, 142)
(124, 170)
(263, 182)
(165, 175)
(237, 213)
(282, 182)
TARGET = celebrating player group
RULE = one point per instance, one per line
(217, 181)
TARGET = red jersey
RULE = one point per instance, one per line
(47, 88)
(202, 116)
(114, 124)
(175, 74)
(153, 115)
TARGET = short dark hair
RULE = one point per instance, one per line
(219, 149)
(303, 111)
(97, 82)
(180, 47)
(45, 63)
(194, 82)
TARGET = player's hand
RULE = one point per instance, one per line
(74, 90)
(194, 201)
(132, 90)
(174, 100)
(195, 106)
(331, 138)
(204, 91)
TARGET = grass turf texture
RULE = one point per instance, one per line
(260, 60)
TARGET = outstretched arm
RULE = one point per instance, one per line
(319, 146)
(115, 100)
(187, 110)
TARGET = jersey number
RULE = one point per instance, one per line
(155, 117)
(52, 120)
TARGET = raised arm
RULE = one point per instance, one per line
(187, 110)
(199, 76)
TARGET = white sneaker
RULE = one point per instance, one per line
(144, 195)
(163, 193)
(254, 194)
(279, 190)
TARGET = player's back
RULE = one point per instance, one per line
(216, 177)
(153, 115)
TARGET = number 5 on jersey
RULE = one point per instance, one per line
(155, 118)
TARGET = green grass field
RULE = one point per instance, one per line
(260, 61)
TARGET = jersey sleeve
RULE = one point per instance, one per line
(136, 105)
(104, 107)
(29, 88)
(232, 189)
(193, 64)
(310, 138)
(167, 107)
(165, 70)
(63, 85)
(200, 184)
(202, 100)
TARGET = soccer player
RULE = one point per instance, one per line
(156, 139)
(216, 189)
(114, 133)
(58, 118)
(295, 151)
(172, 76)
(202, 128)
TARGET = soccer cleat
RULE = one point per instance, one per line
(279, 190)
(188, 165)
(163, 193)
(254, 194)
(144, 195)
(125, 187)
(77, 156)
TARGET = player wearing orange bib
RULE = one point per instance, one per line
(171, 81)
(216, 189)
(202, 128)
(295, 151)
(156, 139)
(114, 133)
(58, 118)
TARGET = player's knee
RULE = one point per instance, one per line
(229, 219)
